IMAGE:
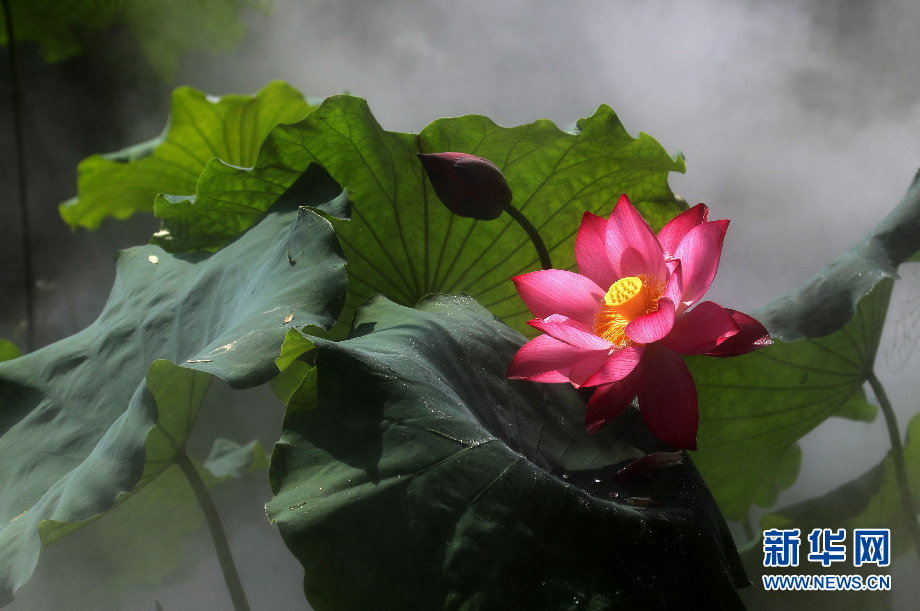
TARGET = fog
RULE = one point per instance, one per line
(799, 122)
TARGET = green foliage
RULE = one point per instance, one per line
(201, 128)
(406, 457)
(754, 408)
(230, 459)
(828, 300)
(143, 537)
(401, 241)
(421, 478)
(870, 500)
(8, 350)
(164, 29)
(99, 414)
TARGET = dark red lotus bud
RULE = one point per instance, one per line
(469, 186)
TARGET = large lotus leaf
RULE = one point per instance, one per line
(140, 539)
(173, 395)
(178, 393)
(402, 242)
(200, 128)
(76, 414)
(421, 478)
(754, 408)
(828, 300)
(61, 27)
(137, 542)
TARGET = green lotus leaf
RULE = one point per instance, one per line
(201, 128)
(230, 459)
(402, 242)
(754, 408)
(828, 300)
(871, 500)
(141, 540)
(421, 478)
(91, 418)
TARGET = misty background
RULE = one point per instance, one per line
(800, 122)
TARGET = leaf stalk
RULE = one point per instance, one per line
(218, 535)
(897, 453)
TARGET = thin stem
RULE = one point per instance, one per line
(897, 452)
(22, 185)
(533, 234)
(237, 594)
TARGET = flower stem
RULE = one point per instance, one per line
(22, 185)
(231, 577)
(533, 234)
(897, 452)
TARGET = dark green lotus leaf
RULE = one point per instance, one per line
(402, 242)
(421, 478)
(62, 27)
(201, 128)
(754, 408)
(827, 301)
(76, 414)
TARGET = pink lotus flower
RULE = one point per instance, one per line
(622, 323)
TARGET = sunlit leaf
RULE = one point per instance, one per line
(402, 242)
(201, 128)
(77, 425)
(421, 478)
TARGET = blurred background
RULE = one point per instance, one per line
(799, 121)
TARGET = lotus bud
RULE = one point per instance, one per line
(469, 186)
